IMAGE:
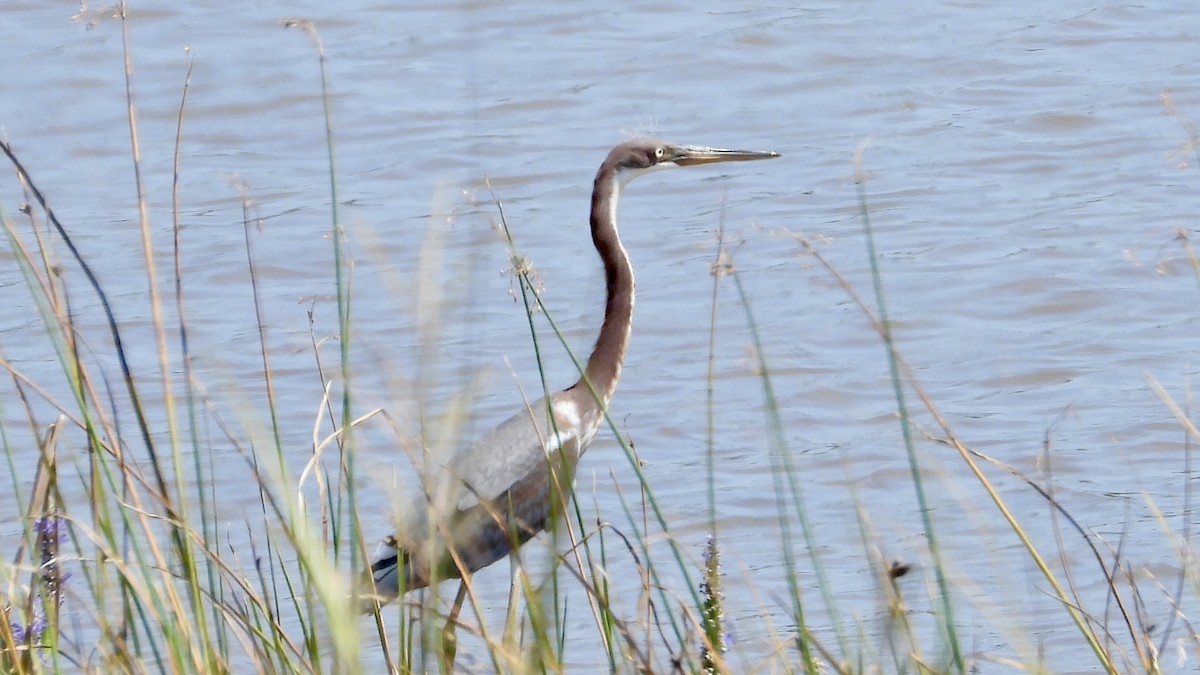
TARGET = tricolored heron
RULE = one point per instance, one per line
(500, 491)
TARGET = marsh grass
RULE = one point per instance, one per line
(139, 558)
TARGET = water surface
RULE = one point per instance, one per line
(1024, 182)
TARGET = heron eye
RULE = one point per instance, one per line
(659, 153)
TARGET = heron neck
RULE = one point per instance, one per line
(608, 355)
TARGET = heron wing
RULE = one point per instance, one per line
(492, 494)
(501, 459)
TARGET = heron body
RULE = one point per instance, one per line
(500, 491)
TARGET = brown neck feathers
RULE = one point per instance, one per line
(608, 355)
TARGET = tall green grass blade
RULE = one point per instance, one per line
(949, 628)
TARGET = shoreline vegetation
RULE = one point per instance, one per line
(133, 572)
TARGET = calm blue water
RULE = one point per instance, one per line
(1024, 182)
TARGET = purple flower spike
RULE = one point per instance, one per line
(50, 527)
(33, 631)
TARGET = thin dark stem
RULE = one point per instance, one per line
(109, 315)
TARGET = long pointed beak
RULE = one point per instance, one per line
(691, 155)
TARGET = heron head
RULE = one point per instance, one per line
(644, 155)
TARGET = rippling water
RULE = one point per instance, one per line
(1025, 186)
